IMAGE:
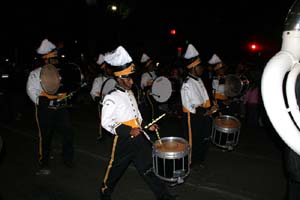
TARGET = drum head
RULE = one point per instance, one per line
(71, 77)
(50, 79)
(171, 147)
(161, 89)
(235, 85)
(227, 122)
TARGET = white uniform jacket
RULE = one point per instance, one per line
(146, 78)
(97, 84)
(120, 107)
(33, 86)
(218, 89)
(194, 94)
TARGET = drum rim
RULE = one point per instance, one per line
(171, 137)
(42, 79)
(171, 155)
(227, 117)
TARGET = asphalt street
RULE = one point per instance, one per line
(253, 170)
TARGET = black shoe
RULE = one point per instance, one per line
(69, 163)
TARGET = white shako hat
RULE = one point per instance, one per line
(121, 61)
(100, 60)
(146, 60)
(215, 60)
(192, 57)
(47, 49)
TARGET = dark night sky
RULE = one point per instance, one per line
(218, 25)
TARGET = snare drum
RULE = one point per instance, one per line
(171, 159)
(226, 131)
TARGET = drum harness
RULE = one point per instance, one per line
(62, 102)
(148, 92)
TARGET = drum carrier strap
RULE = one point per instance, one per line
(101, 90)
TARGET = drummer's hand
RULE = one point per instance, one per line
(153, 127)
(135, 132)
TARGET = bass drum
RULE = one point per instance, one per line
(161, 89)
(50, 79)
(71, 77)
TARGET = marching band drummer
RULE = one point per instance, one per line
(195, 104)
(121, 117)
(147, 78)
(101, 85)
(49, 117)
(218, 82)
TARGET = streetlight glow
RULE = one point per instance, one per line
(113, 7)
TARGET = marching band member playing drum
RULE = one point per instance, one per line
(42, 86)
(147, 78)
(101, 86)
(122, 118)
(195, 104)
(218, 82)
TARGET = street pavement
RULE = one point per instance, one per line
(253, 170)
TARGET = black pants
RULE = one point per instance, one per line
(126, 151)
(51, 121)
(201, 132)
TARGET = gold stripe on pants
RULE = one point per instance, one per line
(110, 164)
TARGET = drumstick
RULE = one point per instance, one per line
(72, 93)
(157, 134)
(155, 120)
